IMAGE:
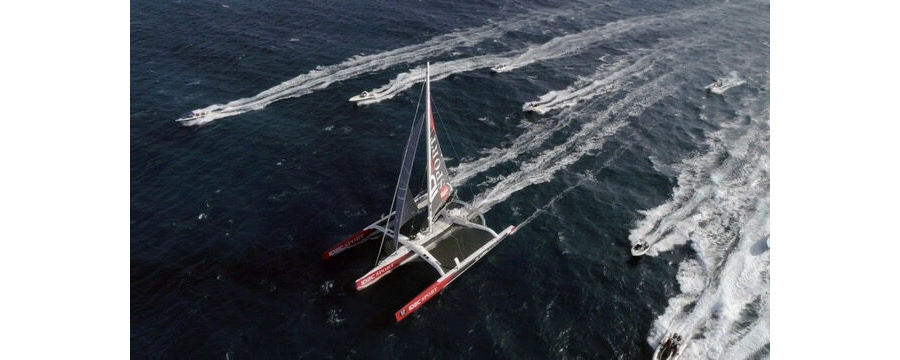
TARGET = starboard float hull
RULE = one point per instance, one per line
(431, 291)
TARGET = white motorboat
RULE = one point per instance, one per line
(721, 85)
(716, 87)
(640, 248)
(193, 115)
(670, 348)
(365, 95)
(500, 68)
(533, 106)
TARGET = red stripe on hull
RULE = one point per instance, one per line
(423, 297)
(380, 272)
(349, 242)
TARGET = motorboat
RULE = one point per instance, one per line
(717, 87)
(193, 115)
(670, 348)
(722, 84)
(500, 68)
(640, 248)
(365, 95)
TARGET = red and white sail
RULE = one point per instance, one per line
(439, 187)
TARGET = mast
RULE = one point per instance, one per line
(428, 140)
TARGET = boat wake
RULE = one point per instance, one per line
(439, 71)
(721, 205)
(323, 76)
(571, 44)
(535, 134)
(622, 75)
(602, 82)
(608, 78)
(555, 48)
(588, 140)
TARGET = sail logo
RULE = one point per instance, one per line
(422, 299)
(350, 242)
(440, 183)
(380, 272)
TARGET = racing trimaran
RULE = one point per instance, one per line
(444, 213)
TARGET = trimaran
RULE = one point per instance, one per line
(443, 214)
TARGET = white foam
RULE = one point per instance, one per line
(584, 89)
(323, 76)
(589, 139)
(536, 133)
(573, 43)
(721, 205)
(609, 77)
(439, 71)
(706, 179)
(555, 48)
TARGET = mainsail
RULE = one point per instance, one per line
(439, 187)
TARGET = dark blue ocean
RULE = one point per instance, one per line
(230, 213)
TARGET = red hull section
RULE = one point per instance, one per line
(350, 242)
(423, 297)
(381, 272)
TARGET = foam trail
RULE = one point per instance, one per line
(555, 48)
(537, 133)
(323, 76)
(574, 43)
(587, 176)
(607, 78)
(664, 226)
(585, 89)
(590, 138)
(534, 135)
(721, 205)
(439, 71)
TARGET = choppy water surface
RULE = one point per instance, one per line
(230, 212)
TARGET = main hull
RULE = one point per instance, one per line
(402, 255)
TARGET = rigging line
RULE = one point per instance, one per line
(449, 140)
(397, 188)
